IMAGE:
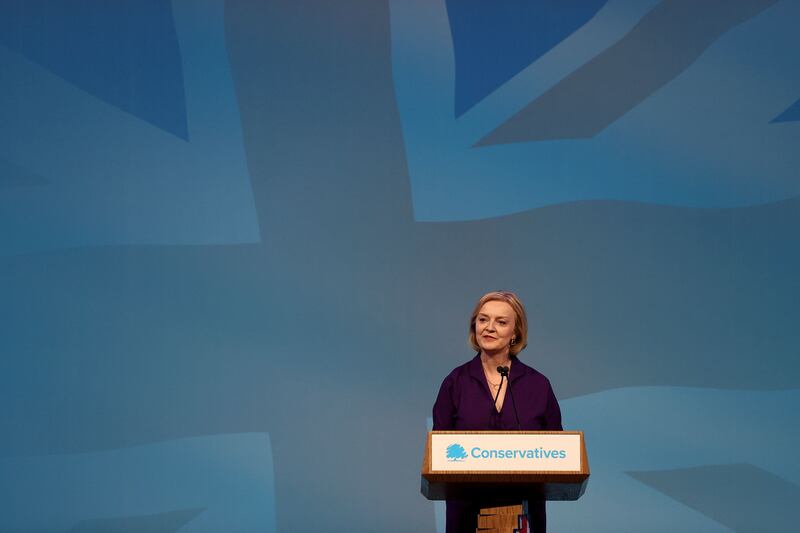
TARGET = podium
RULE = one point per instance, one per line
(513, 466)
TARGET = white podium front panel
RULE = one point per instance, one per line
(505, 452)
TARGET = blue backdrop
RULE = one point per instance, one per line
(240, 241)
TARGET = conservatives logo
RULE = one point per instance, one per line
(456, 452)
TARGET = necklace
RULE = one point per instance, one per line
(495, 386)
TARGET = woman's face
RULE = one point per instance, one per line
(495, 326)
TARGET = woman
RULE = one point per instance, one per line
(498, 330)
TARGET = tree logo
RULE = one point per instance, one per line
(456, 452)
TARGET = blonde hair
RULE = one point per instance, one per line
(520, 319)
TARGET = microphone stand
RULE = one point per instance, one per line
(496, 396)
(503, 370)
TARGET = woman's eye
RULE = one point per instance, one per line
(502, 323)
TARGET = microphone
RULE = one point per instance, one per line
(503, 371)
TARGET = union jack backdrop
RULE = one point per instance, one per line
(240, 241)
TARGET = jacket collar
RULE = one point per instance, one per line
(518, 368)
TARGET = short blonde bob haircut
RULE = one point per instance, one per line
(520, 319)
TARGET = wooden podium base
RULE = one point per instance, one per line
(508, 519)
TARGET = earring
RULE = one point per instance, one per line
(513, 341)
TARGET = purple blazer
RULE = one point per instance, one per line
(466, 403)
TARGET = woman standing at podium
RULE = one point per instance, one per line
(473, 396)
